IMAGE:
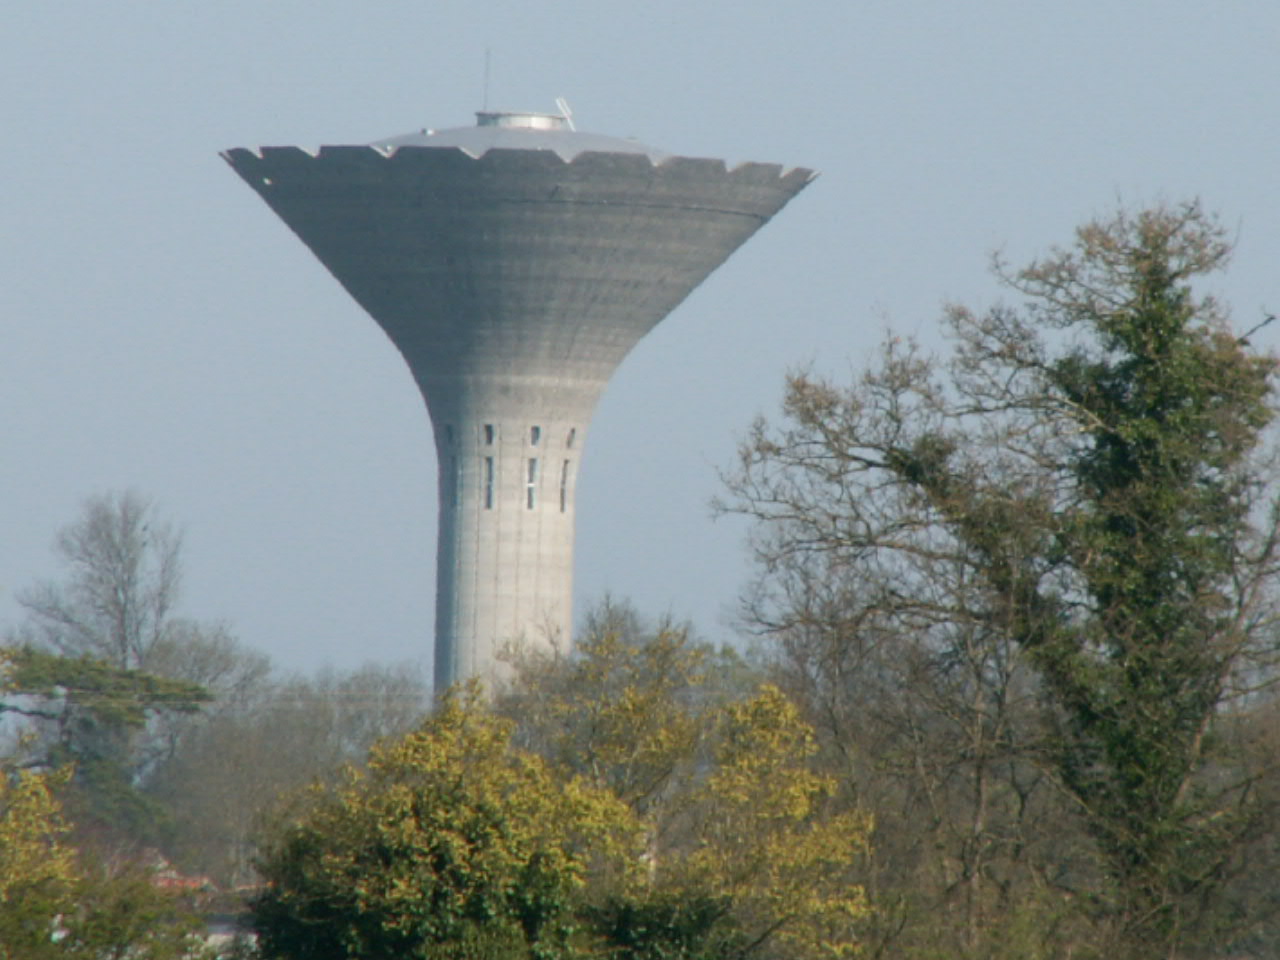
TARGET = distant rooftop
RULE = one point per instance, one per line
(521, 131)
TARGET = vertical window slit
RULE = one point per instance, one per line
(489, 433)
(564, 486)
(531, 485)
(488, 483)
(535, 434)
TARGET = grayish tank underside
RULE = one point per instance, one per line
(513, 282)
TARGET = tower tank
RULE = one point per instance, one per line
(514, 264)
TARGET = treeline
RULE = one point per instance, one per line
(1010, 694)
(647, 796)
(632, 801)
(154, 744)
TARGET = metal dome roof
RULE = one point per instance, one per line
(520, 131)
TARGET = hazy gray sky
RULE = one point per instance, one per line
(163, 331)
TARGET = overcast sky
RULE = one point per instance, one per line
(163, 331)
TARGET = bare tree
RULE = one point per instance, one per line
(123, 575)
(227, 772)
(115, 609)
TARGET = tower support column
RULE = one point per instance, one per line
(508, 471)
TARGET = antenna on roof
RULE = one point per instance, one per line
(563, 106)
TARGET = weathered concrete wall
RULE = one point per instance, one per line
(513, 284)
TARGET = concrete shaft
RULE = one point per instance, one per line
(513, 284)
(504, 560)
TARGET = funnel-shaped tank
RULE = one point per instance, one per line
(514, 264)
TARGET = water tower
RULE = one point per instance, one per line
(513, 264)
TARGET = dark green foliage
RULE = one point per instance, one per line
(88, 713)
(25, 924)
(667, 928)
(295, 918)
(106, 914)
(93, 693)
(122, 914)
(1169, 407)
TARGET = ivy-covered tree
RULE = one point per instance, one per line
(1081, 489)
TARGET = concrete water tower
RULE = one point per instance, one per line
(513, 264)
